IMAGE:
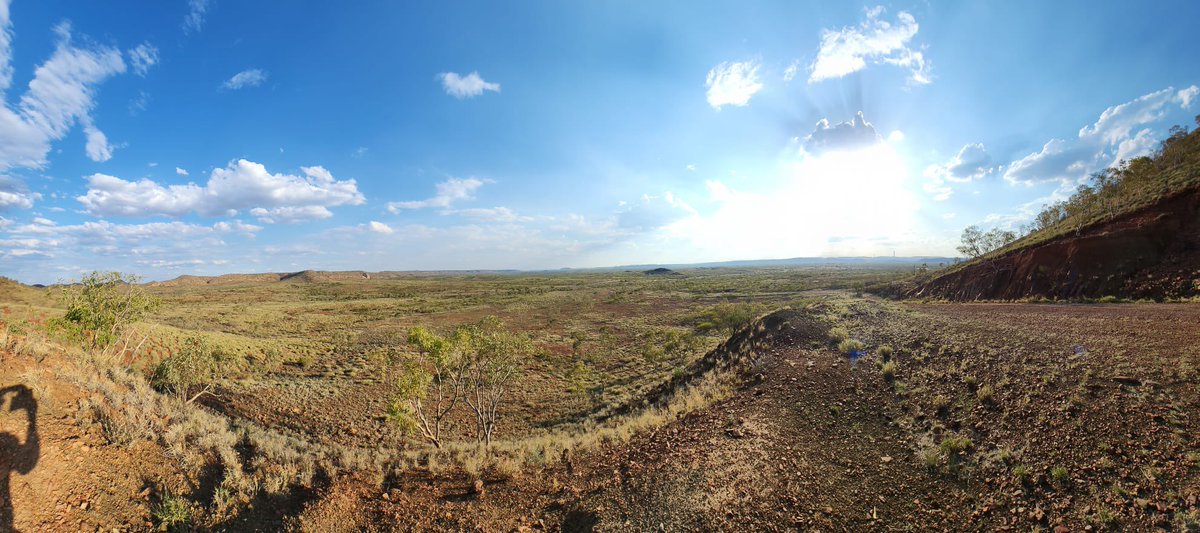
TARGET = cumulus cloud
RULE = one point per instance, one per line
(142, 57)
(60, 95)
(971, 163)
(448, 192)
(873, 41)
(194, 20)
(732, 84)
(247, 78)
(90, 243)
(240, 185)
(14, 194)
(181, 171)
(468, 86)
(1110, 139)
(852, 135)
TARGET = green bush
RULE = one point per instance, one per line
(172, 513)
(725, 318)
(1021, 474)
(100, 308)
(193, 366)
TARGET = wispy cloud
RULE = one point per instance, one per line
(247, 78)
(873, 41)
(142, 57)
(194, 20)
(468, 86)
(448, 192)
(732, 84)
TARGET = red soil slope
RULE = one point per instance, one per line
(1153, 252)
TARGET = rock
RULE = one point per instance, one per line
(478, 486)
(886, 459)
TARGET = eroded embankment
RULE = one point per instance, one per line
(1150, 253)
(740, 353)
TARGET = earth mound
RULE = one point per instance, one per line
(661, 272)
(1152, 252)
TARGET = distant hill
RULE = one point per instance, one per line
(661, 272)
(1133, 231)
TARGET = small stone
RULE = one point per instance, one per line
(886, 459)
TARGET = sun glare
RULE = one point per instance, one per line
(842, 203)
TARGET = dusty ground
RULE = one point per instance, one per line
(994, 417)
(819, 444)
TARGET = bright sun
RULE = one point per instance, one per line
(844, 203)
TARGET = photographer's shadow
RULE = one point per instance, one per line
(16, 456)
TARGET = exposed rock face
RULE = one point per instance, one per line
(1153, 252)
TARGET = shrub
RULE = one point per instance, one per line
(1021, 474)
(172, 513)
(940, 404)
(1060, 475)
(985, 393)
(839, 334)
(100, 308)
(195, 365)
(850, 346)
(725, 318)
(889, 370)
(955, 445)
(885, 352)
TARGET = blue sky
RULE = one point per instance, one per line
(204, 137)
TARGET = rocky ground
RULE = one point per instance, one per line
(985, 417)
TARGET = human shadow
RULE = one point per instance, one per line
(16, 456)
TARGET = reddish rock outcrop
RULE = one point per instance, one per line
(1153, 252)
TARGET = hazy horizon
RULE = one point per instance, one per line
(197, 137)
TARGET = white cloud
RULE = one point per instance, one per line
(59, 96)
(291, 214)
(240, 185)
(181, 171)
(852, 135)
(732, 84)
(359, 152)
(448, 192)
(791, 70)
(491, 214)
(1108, 140)
(873, 41)
(653, 212)
(14, 194)
(1186, 95)
(971, 163)
(468, 86)
(142, 57)
(247, 78)
(195, 16)
(380, 227)
(97, 147)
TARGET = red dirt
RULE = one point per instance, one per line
(1153, 252)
